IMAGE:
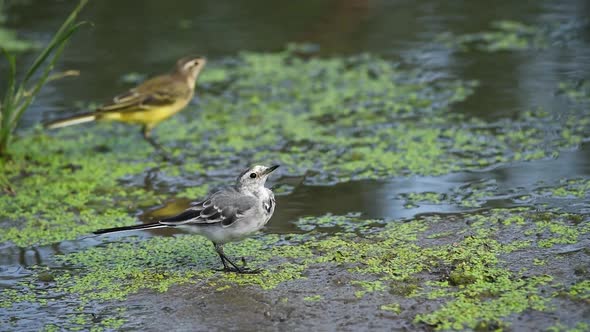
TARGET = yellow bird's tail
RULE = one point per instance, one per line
(70, 121)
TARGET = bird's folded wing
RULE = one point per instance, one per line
(135, 100)
(157, 92)
(224, 207)
(127, 97)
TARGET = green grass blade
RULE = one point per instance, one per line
(19, 97)
(11, 77)
(60, 45)
(55, 41)
(7, 104)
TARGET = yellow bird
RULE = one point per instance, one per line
(149, 103)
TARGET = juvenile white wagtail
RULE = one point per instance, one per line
(227, 215)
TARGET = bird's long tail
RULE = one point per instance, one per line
(130, 228)
(72, 120)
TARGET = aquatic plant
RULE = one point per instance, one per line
(505, 35)
(18, 97)
(474, 271)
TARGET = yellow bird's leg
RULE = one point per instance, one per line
(147, 135)
(146, 131)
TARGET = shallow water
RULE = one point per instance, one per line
(128, 38)
(372, 199)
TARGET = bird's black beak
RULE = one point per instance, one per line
(270, 169)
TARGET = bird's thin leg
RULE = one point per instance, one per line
(225, 260)
(146, 131)
(234, 267)
(225, 267)
(219, 250)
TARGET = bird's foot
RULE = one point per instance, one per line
(241, 270)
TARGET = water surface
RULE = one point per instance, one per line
(147, 37)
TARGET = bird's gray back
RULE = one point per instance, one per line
(222, 207)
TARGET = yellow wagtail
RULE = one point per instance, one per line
(149, 103)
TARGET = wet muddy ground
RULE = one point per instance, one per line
(436, 176)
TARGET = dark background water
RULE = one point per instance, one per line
(148, 36)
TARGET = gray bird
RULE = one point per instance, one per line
(227, 215)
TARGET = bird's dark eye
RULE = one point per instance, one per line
(253, 175)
